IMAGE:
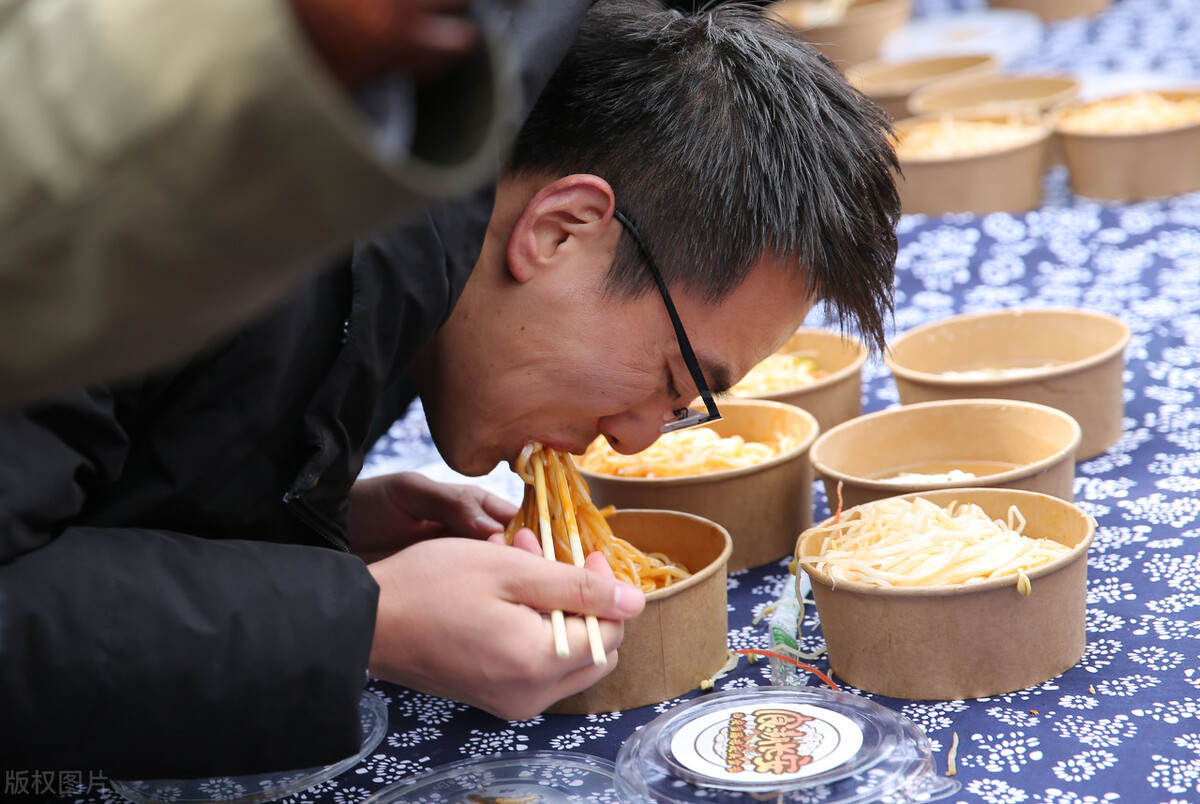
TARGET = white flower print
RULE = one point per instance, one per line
(1154, 657)
(482, 743)
(1103, 733)
(997, 791)
(999, 753)
(384, 769)
(416, 736)
(1084, 766)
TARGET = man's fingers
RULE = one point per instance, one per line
(548, 585)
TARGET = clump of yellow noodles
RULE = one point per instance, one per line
(948, 137)
(778, 372)
(898, 542)
(695, 451)
(1131, 114)
(650, 571)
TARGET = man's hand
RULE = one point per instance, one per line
(391, 512)
(466, 620)
(362, 39)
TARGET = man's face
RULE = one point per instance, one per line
(555, 361)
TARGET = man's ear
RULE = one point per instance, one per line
(566, 217)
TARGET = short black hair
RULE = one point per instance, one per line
(725, 138)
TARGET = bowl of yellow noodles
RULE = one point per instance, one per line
(681, 637)
(817, 369)
(951, 594)
(749, 473)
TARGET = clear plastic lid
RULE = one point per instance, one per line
(528, 777)
(265, 787)
(791, 744)
(1006, 33)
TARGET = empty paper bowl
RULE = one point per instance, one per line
(763, 506)
(1136, 146)
(968, 162)
(1068, 359)
(890, 83)
(680, 638)
(834, 396)
(961, 641)
(1001, 92)
(1054, 10)
(955, 443)
(851, 38)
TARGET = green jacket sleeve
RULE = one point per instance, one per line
(167, 169)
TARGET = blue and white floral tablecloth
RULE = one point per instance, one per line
(1124, 724)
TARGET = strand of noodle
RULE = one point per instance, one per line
(599, 655)
(557, 621)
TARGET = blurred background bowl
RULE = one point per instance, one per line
(763, 506)
(1133, 165)
(833, 397)
(890, 83)
(681, 638)
(963, 641)
(852, 39)
(998, 92)
(987, 178)
(1068, 359)
(999, 443)
(1054, 10)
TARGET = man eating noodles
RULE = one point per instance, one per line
(192, 581)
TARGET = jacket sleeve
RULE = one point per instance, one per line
(152, 654)
(167, 169)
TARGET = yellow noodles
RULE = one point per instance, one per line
(896, 542)
(1130, 114)
(650, 571)
(695, 451)
(948, 138)
(779, 372)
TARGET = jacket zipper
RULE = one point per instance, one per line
(315, 522)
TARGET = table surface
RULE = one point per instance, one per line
(1123, 724)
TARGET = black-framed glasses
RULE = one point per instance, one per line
(686, 416)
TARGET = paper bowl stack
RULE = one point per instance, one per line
(1137, 146)
(851, 38)
(1054, 10)
(1068, 359)
(967, 640)
(955, 443)
(833, 397)
(890, 83)
(999, 92)
(763, 506)
(680, 638)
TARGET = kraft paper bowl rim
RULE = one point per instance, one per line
(903, 411)
(1075, 552)
(832, 378)
(1045, 131)
(1114, 136)
(786, 456)
(700, 576)
(1027, 375)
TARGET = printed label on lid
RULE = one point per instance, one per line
(768, 744)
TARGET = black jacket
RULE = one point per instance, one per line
(176, 599)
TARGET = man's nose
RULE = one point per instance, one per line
(636, 429)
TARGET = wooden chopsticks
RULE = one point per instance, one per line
(557, 620)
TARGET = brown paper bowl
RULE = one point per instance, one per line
(857, 37)
(762, 506)
(1005, 443)
(943, 643)
(998, 93)
(890, 83)
(1075, 361)
(681, 638)
(1054, 10)
(1007, 180)
(835, 397)
(1130, 167)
